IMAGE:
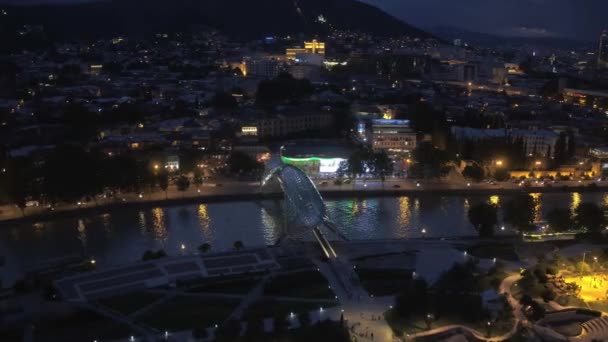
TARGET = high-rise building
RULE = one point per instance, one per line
(602, 53)
(264, 67)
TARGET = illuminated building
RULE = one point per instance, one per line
(314, 47)
(249, 131)
(602, 53)
(315, 158)
(394, 136)
(172, 163)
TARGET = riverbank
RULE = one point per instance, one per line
(242, 191)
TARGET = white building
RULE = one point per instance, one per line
(394, 136)
(537, 142)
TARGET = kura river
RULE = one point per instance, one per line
(121, 237)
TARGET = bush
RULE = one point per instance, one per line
(548, 295)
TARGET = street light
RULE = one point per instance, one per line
(499, 163)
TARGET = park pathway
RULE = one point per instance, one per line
(360, 309)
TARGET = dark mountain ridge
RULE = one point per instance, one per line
(237, 18)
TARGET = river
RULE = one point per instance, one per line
(121, 237)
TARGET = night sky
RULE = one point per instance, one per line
(579, 19)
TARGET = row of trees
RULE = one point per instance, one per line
(70, 174)
(520, 211)
(455, 294)
(365, 161)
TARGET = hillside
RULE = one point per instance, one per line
(237, 18)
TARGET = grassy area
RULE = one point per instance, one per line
(601, 305)
(503, 251)
(305, 284)
(184, 312)
(381, 282)
(129, 303)
(415, 325)
(236, 286)
(83, 325)
(267, 308)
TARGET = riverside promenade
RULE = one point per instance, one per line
(250, 191)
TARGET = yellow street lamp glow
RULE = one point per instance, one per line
(156, 166)
(499, 162)
(538, 162)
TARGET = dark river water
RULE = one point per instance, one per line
(122, 237)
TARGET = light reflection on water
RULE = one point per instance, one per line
(123, 236)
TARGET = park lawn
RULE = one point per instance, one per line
(416, 325)
(268, 308)
(85, 325)
(129, 303)
(183, 312)
(236, 286)
(304, 284)
(503, 251)
(384, 282)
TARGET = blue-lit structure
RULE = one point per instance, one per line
(304, 209)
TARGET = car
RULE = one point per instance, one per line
(347, 181)
(323, 183)
(396, 186)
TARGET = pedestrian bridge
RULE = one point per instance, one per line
(304, 208)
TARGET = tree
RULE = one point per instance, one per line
(354, 165)
(240, 163)
(204, 248)
(474, 172)
(484, 218)
(413, 300)
(519, 211)
(582, 267)
(238, 245)
(571, 144)
(198, 180)
(559, 219)
(381, 165)
(183, 183)
(71, 173)
(433, 160)
(589, 216)
(163, 183)
(501, 174)
(561, 152)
